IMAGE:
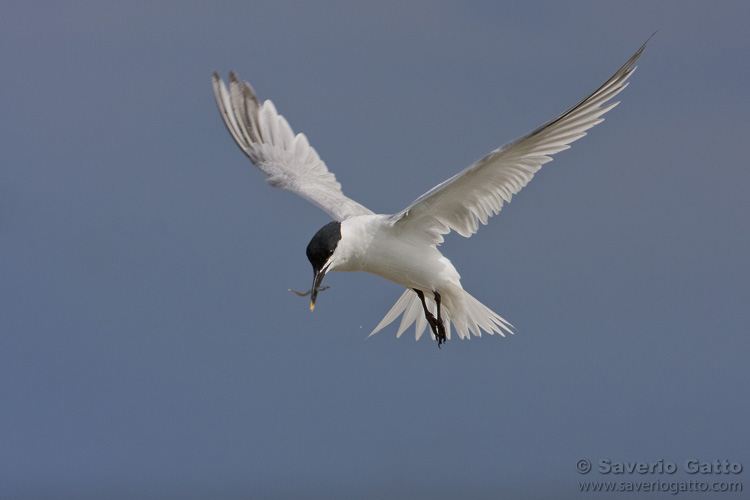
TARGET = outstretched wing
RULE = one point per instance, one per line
(288, 161)
(478, 192)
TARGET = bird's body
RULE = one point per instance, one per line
(373, 244)
(376, 244)
(403, 247)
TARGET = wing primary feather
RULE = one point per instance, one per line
(222, 99)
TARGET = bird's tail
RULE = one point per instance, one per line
(458, 307)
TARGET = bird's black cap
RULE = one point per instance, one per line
(322, 245)
(319, 250)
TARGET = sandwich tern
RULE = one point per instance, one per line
(403, 247)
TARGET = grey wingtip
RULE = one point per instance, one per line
(216, 81)
(646, 42)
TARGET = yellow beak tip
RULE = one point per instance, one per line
(312, 306)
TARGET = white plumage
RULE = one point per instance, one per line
(402, 247)
(288, 161)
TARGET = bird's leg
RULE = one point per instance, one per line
(427, 314)
(435, 324)
(441, 327)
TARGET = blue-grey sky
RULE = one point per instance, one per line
(150, 348)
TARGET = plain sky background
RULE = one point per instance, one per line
(150, 348)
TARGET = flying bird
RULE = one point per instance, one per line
(403, 247)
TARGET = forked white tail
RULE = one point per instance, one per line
(458, 307)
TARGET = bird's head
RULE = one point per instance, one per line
(320, 253)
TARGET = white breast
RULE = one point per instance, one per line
(369, 243)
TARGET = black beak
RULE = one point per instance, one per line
(319, 274)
